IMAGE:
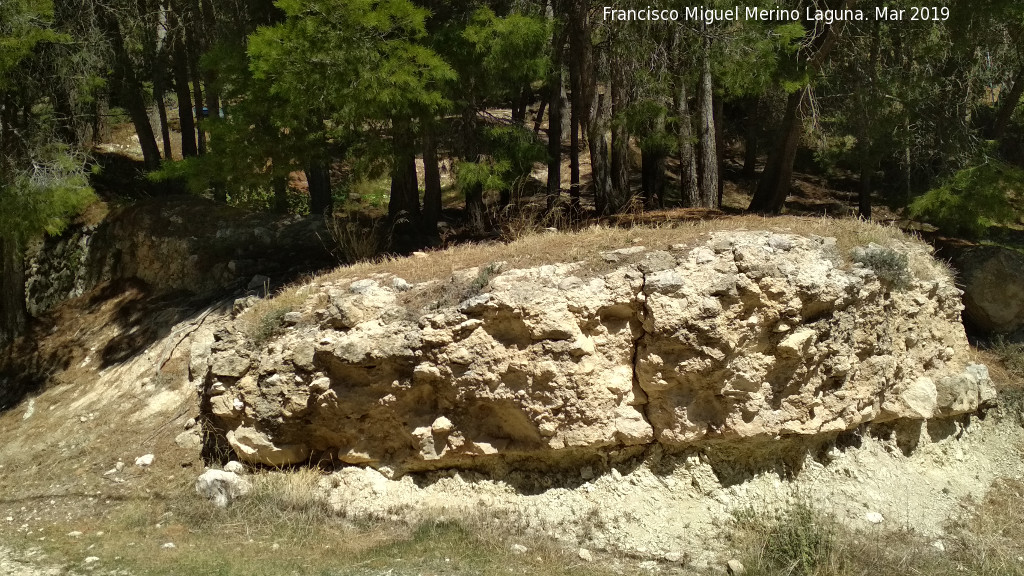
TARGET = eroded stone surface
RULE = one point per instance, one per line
(748, 335)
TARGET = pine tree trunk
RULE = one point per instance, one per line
(594, 108)
(13, 315)
(689, 190)
(1007, 106)
(865, 95)
(210, 75)
(193, 50)
(575, 106)
(318, 176)
(540, 114)
(773, 187)
(620, 195)
(160, 66)
(165, 129)
(556, 90)
(751, 131)
(130, 90)
(599, 154)
(431, 180)
(404, 205)
(476, 217)
(185, 107)
(280, 186)
(708, 135)
(720, 148)
(775, 182)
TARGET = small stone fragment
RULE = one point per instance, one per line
(874, 517)
(441, 426)
(222, 487)
(145, 460)
(519, 549)
(735, 568)
(235, 467)
(586, 555)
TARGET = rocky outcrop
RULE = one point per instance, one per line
(993, 281)
(743, 336)
(180, 245)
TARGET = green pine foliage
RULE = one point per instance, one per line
(973, 200)
(43, 183)
(45, 196)
(349, 62)
(507, 52)
(514, 150)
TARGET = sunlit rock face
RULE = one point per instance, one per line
(742, 336)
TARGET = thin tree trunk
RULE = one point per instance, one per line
(165, 130)
(575, 108)
(520, 106)
(160, 66)
(13, 315)
(540, 115)
(620, 142)
(556, 90)
(599, 154)
(181, 88)
(1007, 106)
(688, 187)
(708, 136)
(720, 148)
(751, 131)
(431, 180)
(210, 74)
(865, 93)
(193, 50)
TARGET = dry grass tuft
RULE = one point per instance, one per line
(285, 526)
(801, 540)
(357, 240)
(264, 319)
(548, 247)
(534, 245)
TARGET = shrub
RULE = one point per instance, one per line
(890, 266)
(356, 240)
(798, 540)
(973, 200)
(264, 320)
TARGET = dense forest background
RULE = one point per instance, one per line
(294, 106)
